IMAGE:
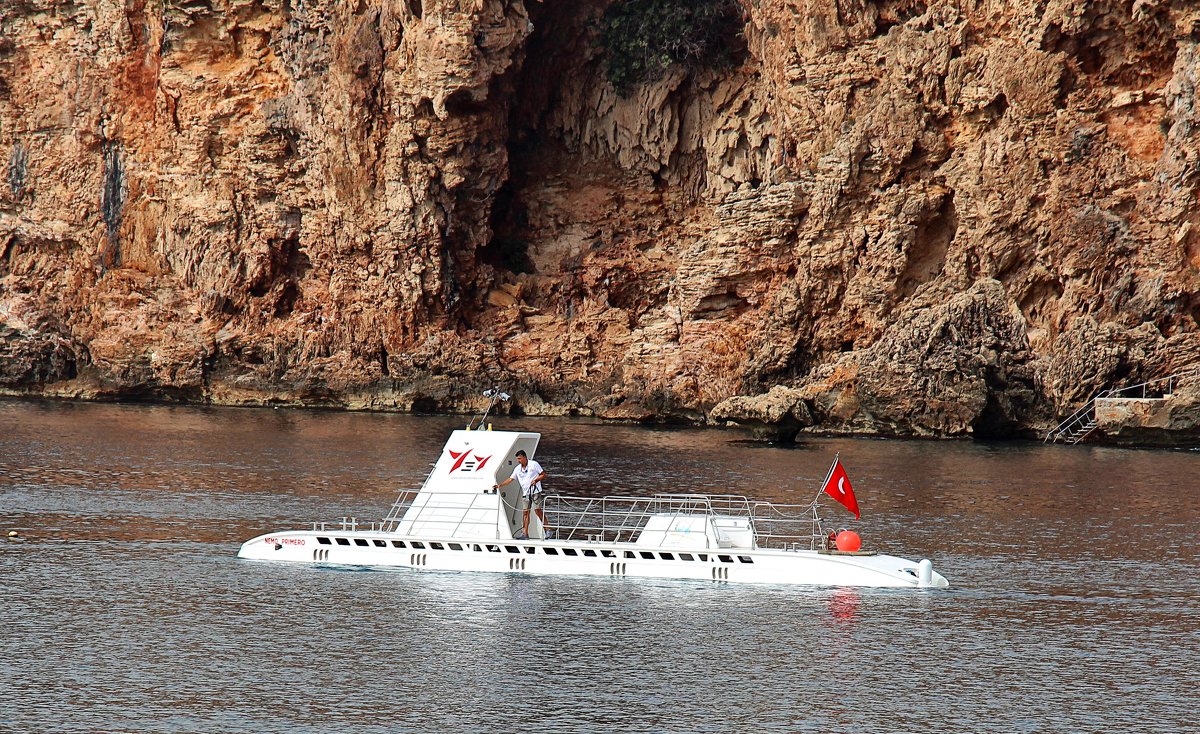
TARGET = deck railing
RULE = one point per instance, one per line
(618, 518)
(401, 505)
(622, 519)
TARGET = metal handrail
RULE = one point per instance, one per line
(1071, 420)
(628, 513)
(571, 532)
(1085, 415)
(426, 506)
(393, 515)
(1169, 379)
(622, 518)
(466, 511)
(399, 507)
(769, 522)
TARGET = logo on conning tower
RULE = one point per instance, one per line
(467, 461)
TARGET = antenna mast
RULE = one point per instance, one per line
(495, 397)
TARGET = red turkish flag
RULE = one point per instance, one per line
(838, 487)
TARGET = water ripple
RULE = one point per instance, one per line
(1072, 607)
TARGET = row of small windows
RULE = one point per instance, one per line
(586, 552)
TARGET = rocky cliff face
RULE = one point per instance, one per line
(940, 218)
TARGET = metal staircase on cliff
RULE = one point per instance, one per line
(1082, 422)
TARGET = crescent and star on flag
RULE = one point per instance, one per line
(837, 485)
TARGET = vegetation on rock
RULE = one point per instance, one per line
(641, 39)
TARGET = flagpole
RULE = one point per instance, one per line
(825, 481)
(817, 530)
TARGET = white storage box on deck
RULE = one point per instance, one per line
(668, 530)
(733, 532)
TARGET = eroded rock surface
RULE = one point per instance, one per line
(777, 414)
(1162, 418)
(940, 218)
(953, 365)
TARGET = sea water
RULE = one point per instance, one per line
(1073, 607)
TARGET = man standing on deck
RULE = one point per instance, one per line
(530, 475)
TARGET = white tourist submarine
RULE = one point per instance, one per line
(458, 521)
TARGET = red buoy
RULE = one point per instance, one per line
(848, 540)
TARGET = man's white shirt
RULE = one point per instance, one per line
(526, 475)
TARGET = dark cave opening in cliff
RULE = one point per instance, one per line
(556, 52)
(508, 249)
(547, 113)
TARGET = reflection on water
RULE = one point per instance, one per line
(843, 604)
(1073, 602)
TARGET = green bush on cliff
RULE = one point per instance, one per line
(642, 38)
